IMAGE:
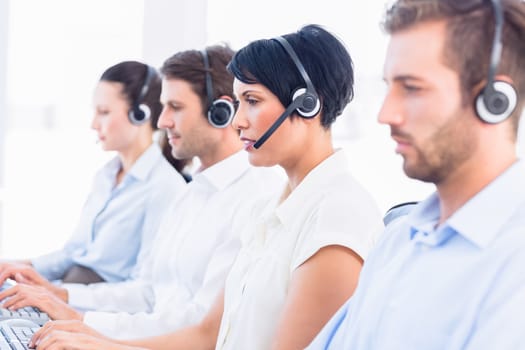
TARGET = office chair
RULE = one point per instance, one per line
(397, 211)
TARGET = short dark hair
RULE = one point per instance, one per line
(469, 39)
(132, 75)
(323, 56)
(189, 66)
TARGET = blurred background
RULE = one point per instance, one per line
(53, 52)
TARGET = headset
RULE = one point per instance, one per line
(498, 99)
(140, 112)
(220, 111)
(305, 101)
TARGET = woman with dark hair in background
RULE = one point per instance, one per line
(123, 210)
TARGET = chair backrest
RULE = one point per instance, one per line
(397, 211)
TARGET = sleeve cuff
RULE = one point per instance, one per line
(103, 322)
(78, 297)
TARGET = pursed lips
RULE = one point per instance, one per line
(402, 143)
(248, 143)
(172, 136)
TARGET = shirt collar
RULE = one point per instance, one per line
(140, 170)
(317, 178)
(481, 218)
(225, 172)
(143, 166)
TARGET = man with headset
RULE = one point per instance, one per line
(198, 242)
(449, 275)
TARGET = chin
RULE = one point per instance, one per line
(257, 160)
(410, 171)
(178, 153)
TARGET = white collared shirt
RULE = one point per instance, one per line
(327, 208)
(190, 259)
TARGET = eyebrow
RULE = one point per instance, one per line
(170, 101)
(403, 78)
(246, 92)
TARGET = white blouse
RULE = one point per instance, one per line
(190, 259)
(328, 208)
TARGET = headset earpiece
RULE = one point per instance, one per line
(221, 111)
(140, 112)
(498, 104)
(309, 105)
(498, 99)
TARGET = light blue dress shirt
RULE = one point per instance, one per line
(458, 286)
(118, 223)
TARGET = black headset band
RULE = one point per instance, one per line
(145, 86)
(291, 52)
(209, 86)
(495, 54)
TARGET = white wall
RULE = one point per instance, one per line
(171, 26)
(4, 17)
(57, 51)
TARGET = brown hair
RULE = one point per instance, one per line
(189, 66)
(469, 39)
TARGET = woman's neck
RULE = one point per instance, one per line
(129, 157)
(312, 155)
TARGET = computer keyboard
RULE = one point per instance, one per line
(15, 337)
(27, 313)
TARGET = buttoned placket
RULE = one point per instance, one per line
(257, 248)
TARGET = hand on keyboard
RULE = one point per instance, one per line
(26, 274)
(68, 333)
(23, 295)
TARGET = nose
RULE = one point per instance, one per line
(165, 121)
(239, 121)
(94, 122)
(390, 112)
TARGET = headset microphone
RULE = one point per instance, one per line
(305, 101)
(289, 110)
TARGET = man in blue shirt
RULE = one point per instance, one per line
(449, 275)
